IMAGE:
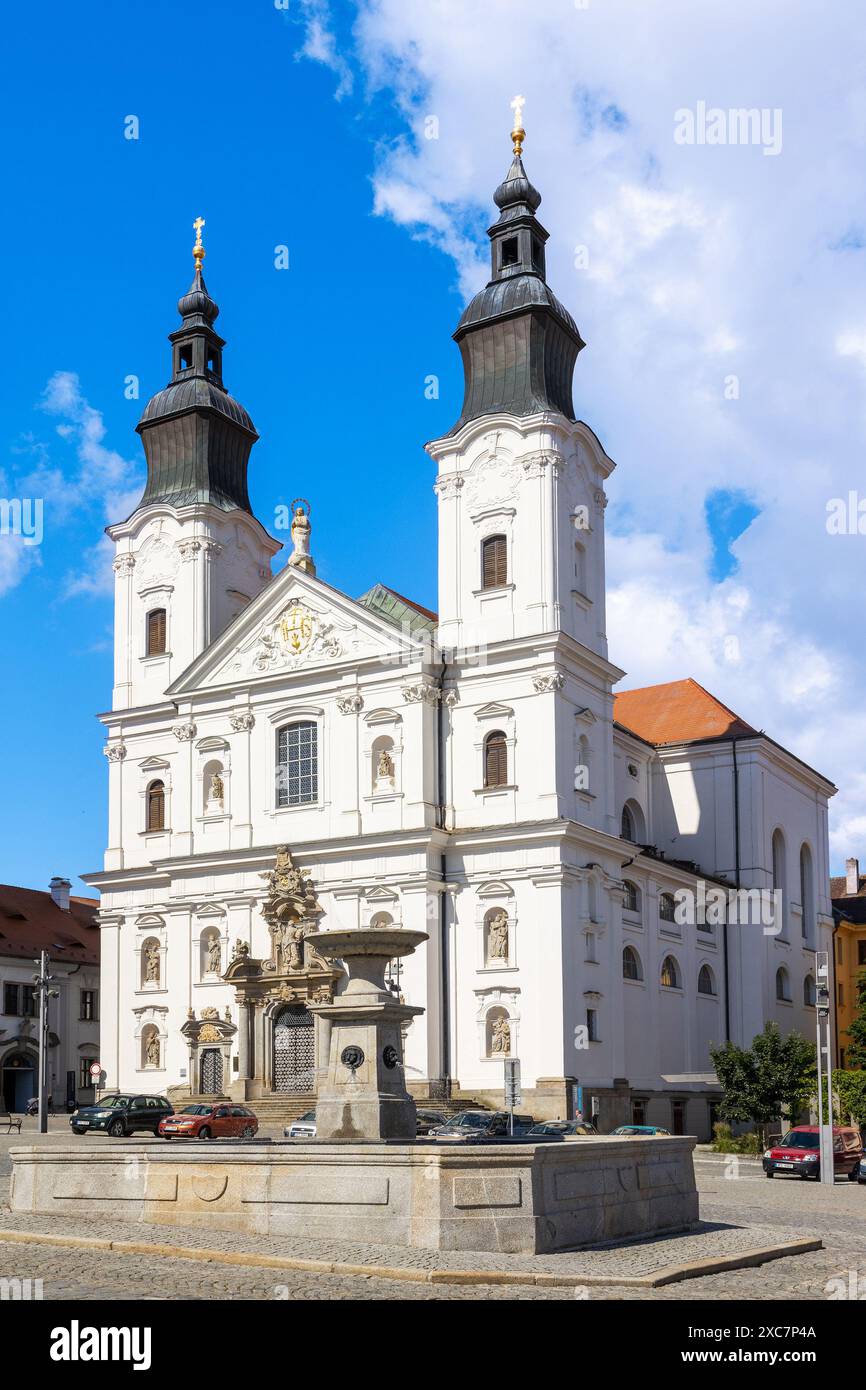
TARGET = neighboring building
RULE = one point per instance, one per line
(65, 927)
(475, 785)
(848, 893)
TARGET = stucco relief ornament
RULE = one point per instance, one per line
(241, 950)
(184, 733)
(210, 1012)
(124, 565)
(296, 636)
(420, 694)
(492, 480)
(449, 486)
(207, 1033)
(242, 723)
(290, 910)
(350, 704)
(115, 752)
(188, 549)
(553, 681)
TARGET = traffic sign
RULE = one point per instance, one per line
(512, 1082)
(95, 1069)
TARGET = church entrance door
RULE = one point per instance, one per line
(211, 1071)
(294, 1051)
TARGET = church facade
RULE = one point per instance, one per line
(464, 773)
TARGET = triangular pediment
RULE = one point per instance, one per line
(297, 623)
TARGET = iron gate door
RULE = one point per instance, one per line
(294, 1050)
(211, 1071)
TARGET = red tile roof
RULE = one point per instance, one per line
(677, 712)
(31, 921)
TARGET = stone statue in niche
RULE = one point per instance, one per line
(497, 937)
(152, 1050)
(384, 771)
(151, 964)
(214, 954)
(500, 1045)
(217, 790)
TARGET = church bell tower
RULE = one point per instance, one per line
(521, 481)
(192, 554)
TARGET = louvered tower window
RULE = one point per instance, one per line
(495, 760)
(494, 562)
(156, 806)
(156, 631)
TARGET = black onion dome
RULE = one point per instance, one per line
(503, 297)
(196, 394)
(518, 343)
(197, 303)
(197, 438)
(516, 188)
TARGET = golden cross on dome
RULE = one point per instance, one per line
(198, 251)
(518, 134)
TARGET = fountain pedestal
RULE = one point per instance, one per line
(363, 1095)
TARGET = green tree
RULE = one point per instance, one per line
(849, 1092)
(855, 1051)
(776, 1073)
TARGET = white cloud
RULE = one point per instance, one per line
(703, 263)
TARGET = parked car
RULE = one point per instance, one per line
(222, 1120)
(120, 1115)
(798, 1152)
(481, 1124)
(426, 1120)
(563, 1127)
(302, 1128)
(637, 1130)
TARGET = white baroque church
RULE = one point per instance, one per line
(469, 773)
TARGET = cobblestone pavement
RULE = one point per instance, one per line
(731, 1195)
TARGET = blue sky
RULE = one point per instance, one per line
(688, 268)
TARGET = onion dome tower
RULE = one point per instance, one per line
(518, 344)
(197, 438)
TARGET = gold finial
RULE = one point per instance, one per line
(518, 134)
(198, 251)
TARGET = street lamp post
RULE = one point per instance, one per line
(43, 984)
(825, 1077)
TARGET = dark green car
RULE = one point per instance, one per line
(121, 1114)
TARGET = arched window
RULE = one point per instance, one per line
(632, 896)
(807, 894)
(667, 907)
(783, 985)
(581, 765)
(780, 880)
(632, 823)
(580, 568)
(156, 806)
(298, 764)
(809, 996)
(706, 983)
(670, 976)
(156, 631)
(495, 760)
(631, 967)
(494, 562)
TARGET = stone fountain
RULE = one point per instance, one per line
(363, 1095)
(366, 1176)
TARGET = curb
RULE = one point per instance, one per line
(670, 1274)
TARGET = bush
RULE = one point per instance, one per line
(725, 1143)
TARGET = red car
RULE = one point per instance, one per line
(798, 1152)
(224, 1120)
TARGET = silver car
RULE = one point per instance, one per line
(302, 1128)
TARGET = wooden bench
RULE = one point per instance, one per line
(10, 1119)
